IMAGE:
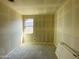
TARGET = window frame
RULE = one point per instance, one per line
(28, 29)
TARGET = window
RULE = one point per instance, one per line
(28, 26)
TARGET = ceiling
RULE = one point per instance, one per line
(33, 7)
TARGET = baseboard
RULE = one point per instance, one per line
(40, 43)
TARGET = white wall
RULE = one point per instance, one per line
(43, 29)
(10, 29)
(67, 24)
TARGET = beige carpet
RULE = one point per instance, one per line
(32, 52)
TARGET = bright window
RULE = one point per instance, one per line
(28, 26)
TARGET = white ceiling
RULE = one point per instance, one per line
(33, 7)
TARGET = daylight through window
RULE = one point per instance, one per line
(28, 26)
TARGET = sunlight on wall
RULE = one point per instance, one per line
(22, 38)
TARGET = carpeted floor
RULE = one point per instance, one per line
(32, 52)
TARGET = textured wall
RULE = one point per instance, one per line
(10, 29)
(67, 24)
(43, 29)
